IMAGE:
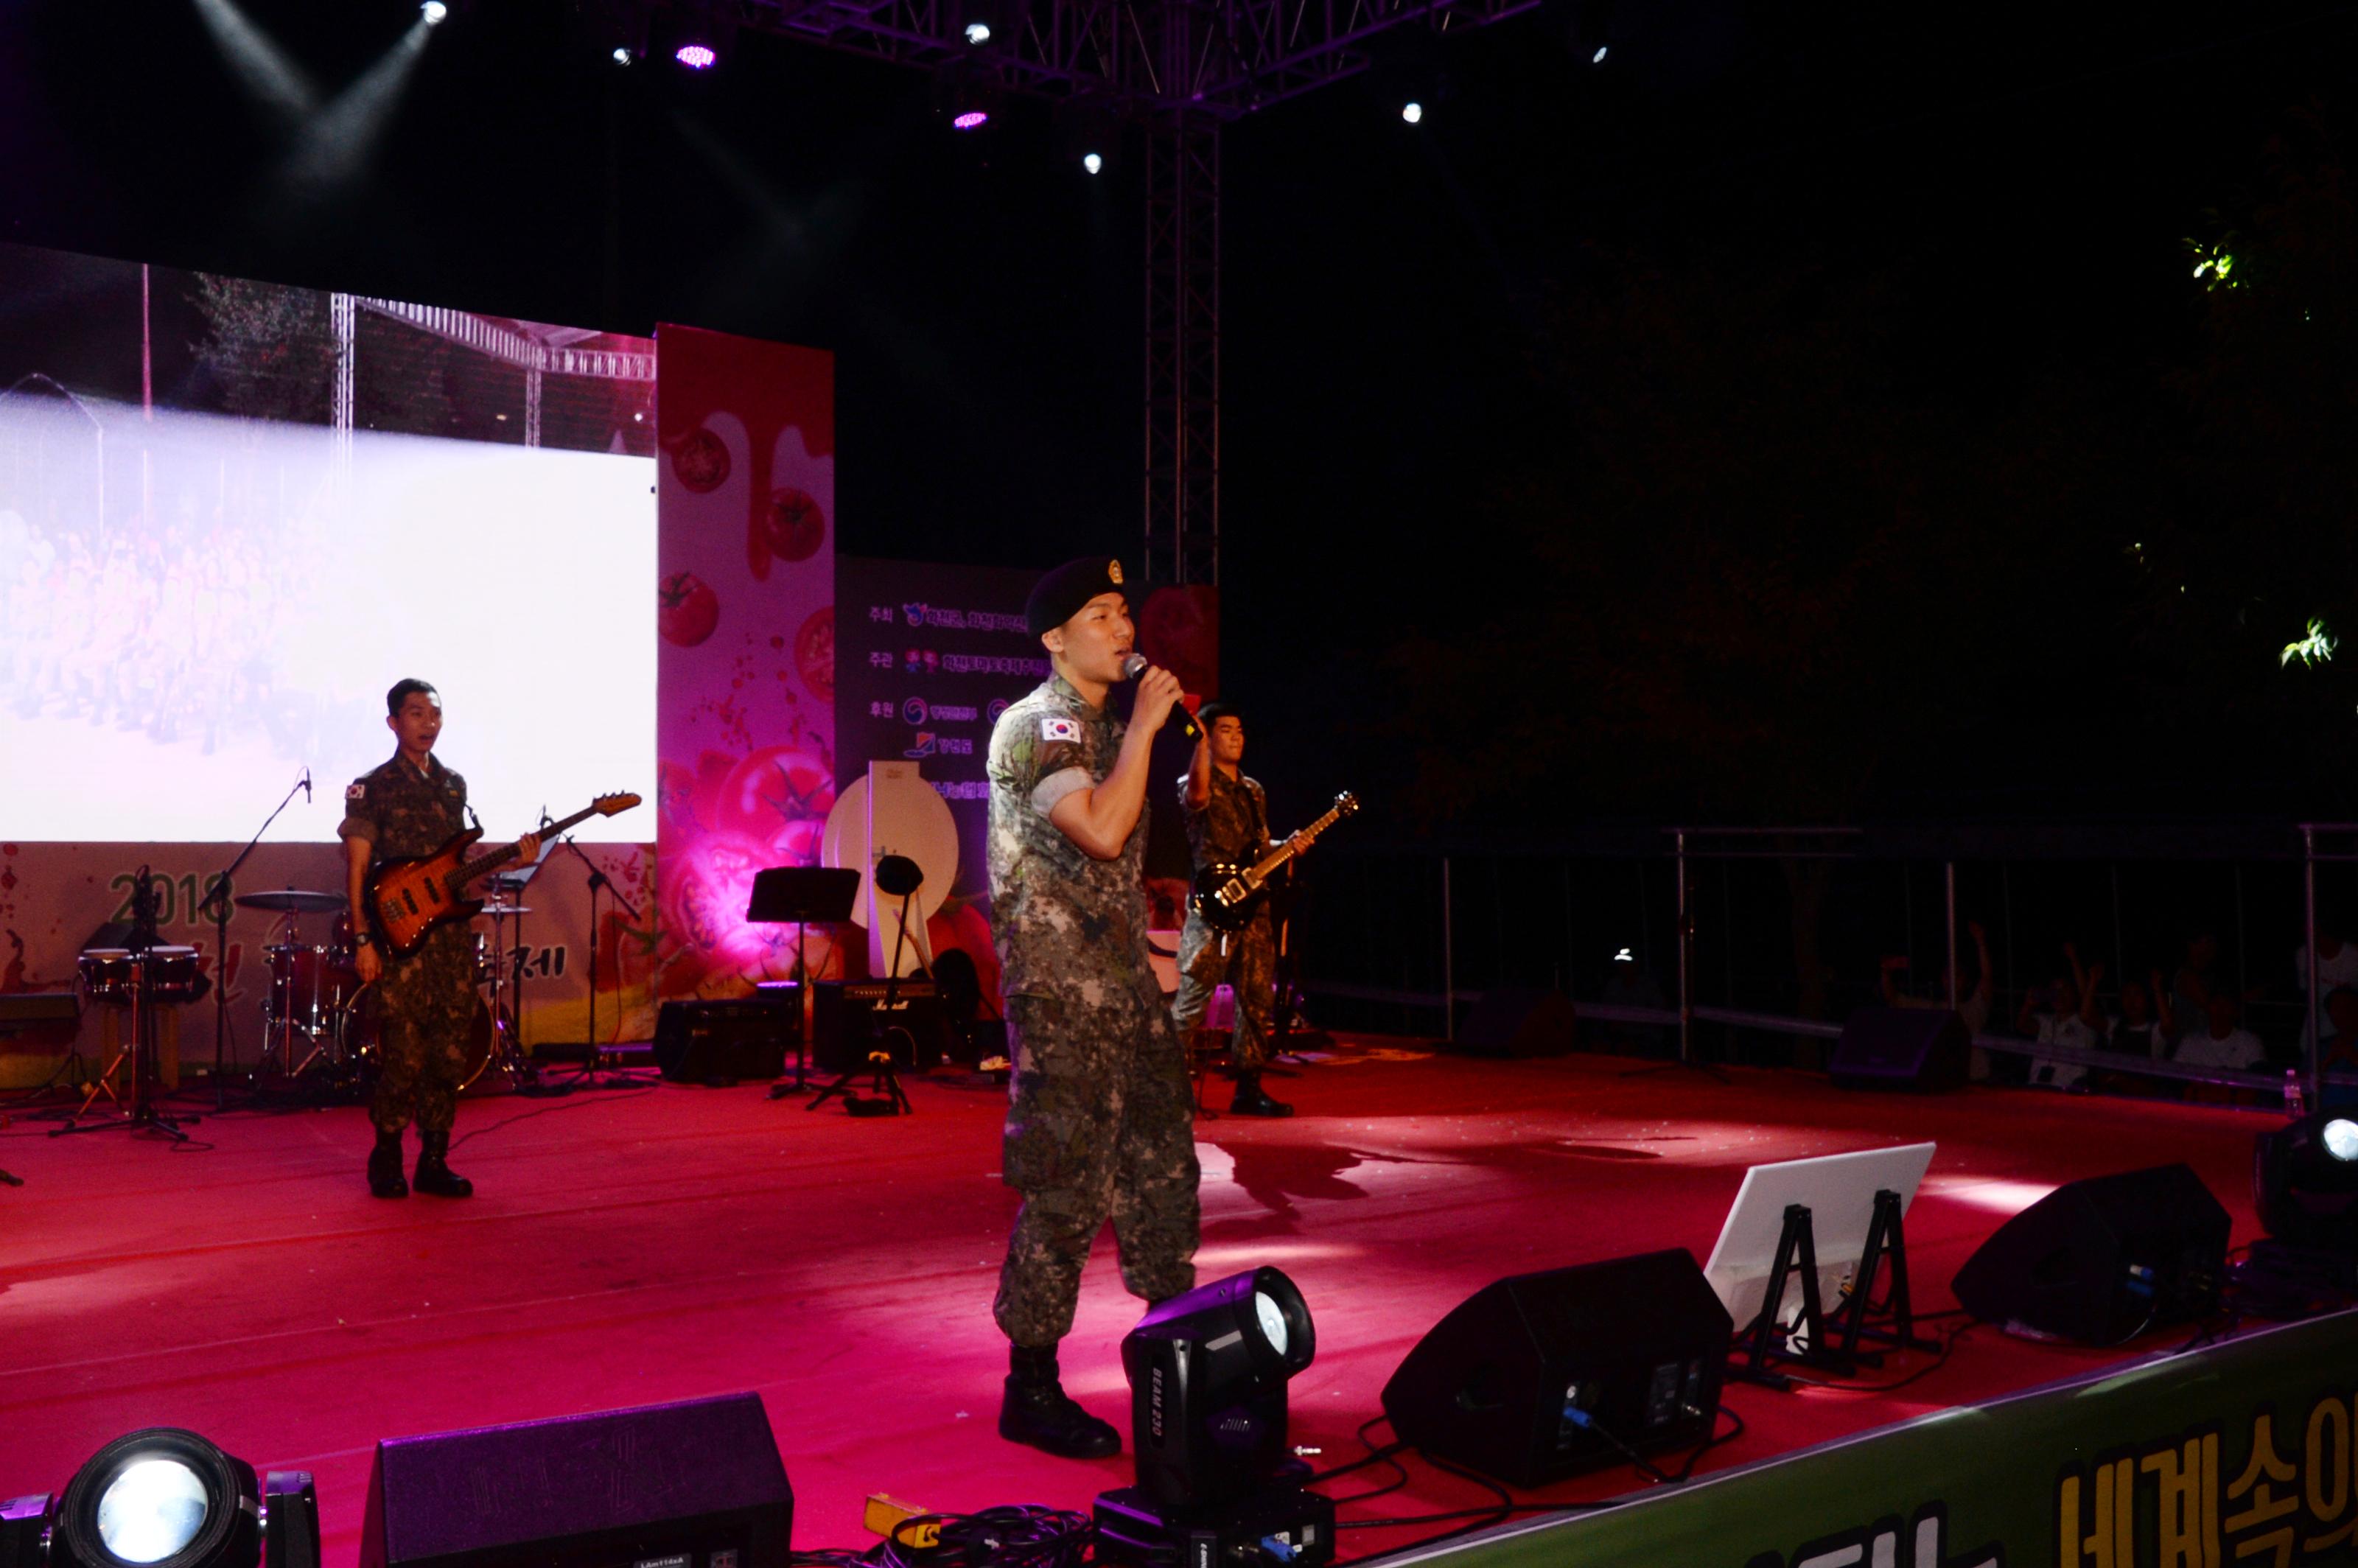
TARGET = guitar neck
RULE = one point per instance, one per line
(506, 852)
(1287, 850)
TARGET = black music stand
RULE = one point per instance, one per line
(798, 895)
(896, 876)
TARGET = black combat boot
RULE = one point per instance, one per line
(434, 1174)
(1036, 1411)
(384, 1167)
(1253, 1100)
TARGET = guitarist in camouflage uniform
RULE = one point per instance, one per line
(410, 805)
(1099, 1122)
(1228, 820)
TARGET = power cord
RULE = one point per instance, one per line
(1017, 1536)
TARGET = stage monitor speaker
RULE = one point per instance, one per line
(1517, 1021)
(723, 1041)
(2101, 1260)
(693, 1484)
(1535, 1376)
(1901, 1048)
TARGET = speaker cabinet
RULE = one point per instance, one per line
(723, 1041)
(693, 1484)
(849, 1019)
(2102, 1260)
(1517, 1021)
(1526, 1379)
(1922, 1048)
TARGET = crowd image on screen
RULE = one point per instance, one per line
(177, 621)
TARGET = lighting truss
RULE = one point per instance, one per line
(1222, 58)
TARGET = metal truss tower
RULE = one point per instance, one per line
(1183, 351)
(1181, 68)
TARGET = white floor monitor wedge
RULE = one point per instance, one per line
(1839, 1192)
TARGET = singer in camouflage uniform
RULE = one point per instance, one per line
(1099, 1121)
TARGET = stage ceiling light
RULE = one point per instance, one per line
(2305, 1181)
(1412, 112)
(621, 55)
(1207, 1374)
(1092, 162)
(164, 1498)
(977, 33)
(434, 12)
(972, 119)
(1598, 58)
(697, 57)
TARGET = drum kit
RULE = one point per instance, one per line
(319, 1018)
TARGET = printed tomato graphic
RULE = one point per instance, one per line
(792, 525)
(814, 653)
(686, 609)
(701, 462)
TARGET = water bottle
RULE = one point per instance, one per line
(2292, 1092)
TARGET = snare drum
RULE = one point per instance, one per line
(106, 974)
(309, 986)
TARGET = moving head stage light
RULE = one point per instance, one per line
(162, 1497)
(1217, 1483)
(2305, 1180)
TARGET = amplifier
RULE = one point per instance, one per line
(849, 1020)
(31, 1009)
(723, 1041)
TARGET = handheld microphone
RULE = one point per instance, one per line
(1134, 667)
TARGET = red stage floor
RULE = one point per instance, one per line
(629, 1247)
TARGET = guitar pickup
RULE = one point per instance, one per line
(410, 898)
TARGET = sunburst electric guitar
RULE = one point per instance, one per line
(406, 898)
(1225, 895)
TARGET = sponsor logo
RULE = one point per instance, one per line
(999, 705)
(912, 710)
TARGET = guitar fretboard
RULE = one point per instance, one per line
(458, 878)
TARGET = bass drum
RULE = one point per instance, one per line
(358, 1033)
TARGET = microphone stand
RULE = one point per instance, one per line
(593, 1077)
(217, 899)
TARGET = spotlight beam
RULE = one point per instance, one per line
(338, 143)
(262, 68)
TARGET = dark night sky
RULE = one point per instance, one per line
(2019, 185)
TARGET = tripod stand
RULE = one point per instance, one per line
(593, 1075)
(217, 899)
(898, 875)
(140, 1111)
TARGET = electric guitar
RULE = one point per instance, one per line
(1225, 895)
(406, 898)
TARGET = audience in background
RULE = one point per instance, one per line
(2340, 1050)
(2064, 1020)
(2220, 1041)
(2337, 965)
(2140, 1030)
(2191, 986)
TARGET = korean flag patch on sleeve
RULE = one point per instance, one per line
(1060, 729)
(356, 791)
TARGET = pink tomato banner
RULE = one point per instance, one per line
(745, 672)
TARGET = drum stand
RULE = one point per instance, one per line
(140, 1111)
(507, 1053)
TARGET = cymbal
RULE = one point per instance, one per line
(510, 879)
(293, 901)
(505, 909)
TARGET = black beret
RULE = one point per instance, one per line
(1058, 596)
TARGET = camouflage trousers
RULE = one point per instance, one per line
(1100, 1126)
(425, 1004)
(1248, 968)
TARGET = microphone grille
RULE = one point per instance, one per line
(1133, 667)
